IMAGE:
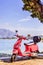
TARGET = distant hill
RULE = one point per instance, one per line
(7, 34)
(4, 33)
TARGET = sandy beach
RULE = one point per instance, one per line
(24, 62)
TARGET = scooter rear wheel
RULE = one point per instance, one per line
(13, 57)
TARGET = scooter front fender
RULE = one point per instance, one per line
(15, 51)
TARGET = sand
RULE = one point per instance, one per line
(24, 62)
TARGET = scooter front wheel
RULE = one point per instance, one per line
(13, 57)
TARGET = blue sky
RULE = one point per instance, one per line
(12, 17)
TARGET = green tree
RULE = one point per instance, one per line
(35, 7)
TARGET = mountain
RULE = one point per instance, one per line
(4, 33)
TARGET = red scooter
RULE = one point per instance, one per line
(30, 50)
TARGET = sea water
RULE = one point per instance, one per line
(6, 45)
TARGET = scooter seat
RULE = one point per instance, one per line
(28, 43)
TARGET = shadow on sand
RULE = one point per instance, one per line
(7, 60)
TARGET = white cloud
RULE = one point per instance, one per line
(25, 19)
(6, 26)
(23, 30)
